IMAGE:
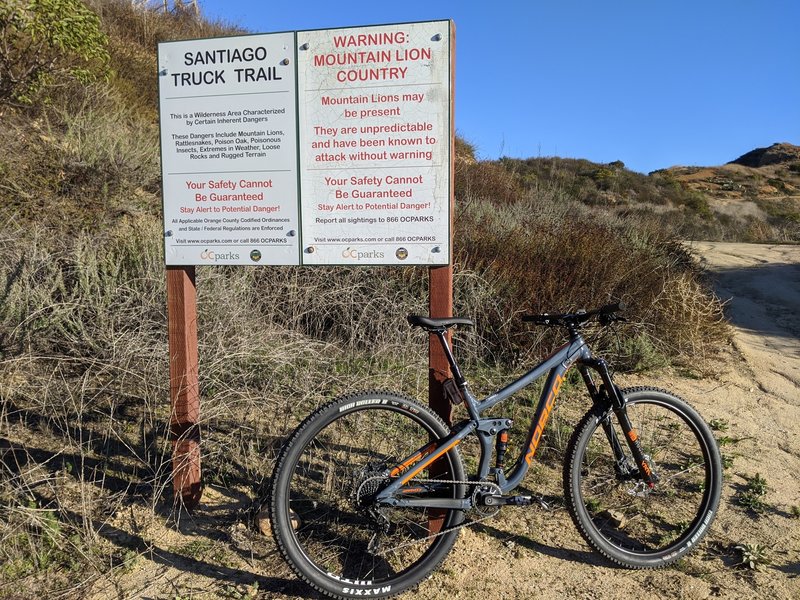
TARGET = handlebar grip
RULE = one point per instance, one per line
(612, 308)
(538, 319)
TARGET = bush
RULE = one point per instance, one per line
(698, 203)
(46, 43)
(543, 252)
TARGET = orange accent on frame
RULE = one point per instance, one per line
(438, 453)
(633, 436)
(548, 407)
(411, 460)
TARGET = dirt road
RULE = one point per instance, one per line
(761, 285)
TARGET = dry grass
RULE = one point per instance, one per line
(84, 374)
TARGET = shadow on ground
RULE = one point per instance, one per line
(762, 299)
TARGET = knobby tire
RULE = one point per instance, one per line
(617, 514)
(322, 517)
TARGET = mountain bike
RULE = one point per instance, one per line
(370, 492)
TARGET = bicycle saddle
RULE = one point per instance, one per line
(429, 324)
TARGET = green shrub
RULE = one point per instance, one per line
(45, 43)
(604, 177)
(698, 203)
(753, 494)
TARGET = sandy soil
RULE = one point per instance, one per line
(752, 388)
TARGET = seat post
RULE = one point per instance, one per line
(440, 333)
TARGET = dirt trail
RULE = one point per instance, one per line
(761, 285)
(750, 392)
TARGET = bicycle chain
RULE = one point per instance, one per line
(449, 529)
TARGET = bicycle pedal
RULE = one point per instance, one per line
(508, 500)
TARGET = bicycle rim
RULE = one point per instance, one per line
(339, 534)
(625, 519)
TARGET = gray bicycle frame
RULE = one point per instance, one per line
(556, 365)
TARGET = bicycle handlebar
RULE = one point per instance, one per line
(572, 319)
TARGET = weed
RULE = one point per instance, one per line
(718, 424)
(593, 506)
(241, 592)
(128, 560)
(194, 549)
(752, 497)
(753, 556)
(795, 511)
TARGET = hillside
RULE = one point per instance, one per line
(780, 155)
(753, 198)
(763, 175)
(762, 185)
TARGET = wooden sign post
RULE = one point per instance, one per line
(441, 278)
(184, 389)
(440, 305)
(440, 302)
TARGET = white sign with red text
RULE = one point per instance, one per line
(228, 148)
(374, 143)
(325, 147)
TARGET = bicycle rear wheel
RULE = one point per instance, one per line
(615, 511)
(322, 518)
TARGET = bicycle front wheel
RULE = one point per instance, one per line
(632, 524)
(325, 525)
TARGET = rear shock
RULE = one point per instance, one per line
(501, 446)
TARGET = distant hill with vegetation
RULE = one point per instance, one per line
(755, 198)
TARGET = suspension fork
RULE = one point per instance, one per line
(610, 396)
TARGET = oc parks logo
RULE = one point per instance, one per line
(212, 256)
(353, 254)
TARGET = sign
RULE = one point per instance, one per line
(228, 150)
(375, 144)
(326, 147)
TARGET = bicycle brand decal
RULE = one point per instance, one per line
(706, 522)
(427, 462)
(360, 591)
(367, 592)
(548, 407)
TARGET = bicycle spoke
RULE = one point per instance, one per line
(619, 513)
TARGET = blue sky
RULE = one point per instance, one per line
(654, 84)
